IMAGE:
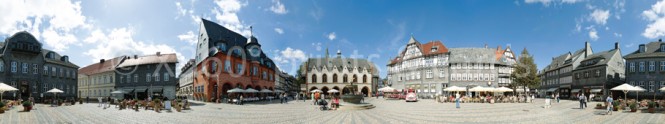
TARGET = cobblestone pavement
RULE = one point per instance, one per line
(386, 111)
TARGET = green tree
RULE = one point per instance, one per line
(526, 72)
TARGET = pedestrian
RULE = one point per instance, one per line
(286, 98)
(532, 97)
(557, 97)
(582, 100)
(303, 97)
(609, 104)
(100, 101)
(457, 100)
(313, 100)
(281, 99)
(240, 101)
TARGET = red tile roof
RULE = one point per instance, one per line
(426, 49)
(107, 65)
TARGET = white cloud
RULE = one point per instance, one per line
(618, 35)
(332, 36)
(181, 11)
(278, 7)
(593, 34)
(189, 37)
(656, 17)
(62, 18)
(119, 41)
(578, 27)
(279, 30)
(548, 2)
(317, 46)
(600, 16)
(226, 14)
(289, 55)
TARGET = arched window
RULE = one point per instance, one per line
(355, 79)
(364, 78)
(345, 78)
(334, 78)
(325, 78)
(314, 78)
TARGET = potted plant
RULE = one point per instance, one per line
(2, 107)
(616, 105)
(27, 106)
(652, 106)
(80, 100)
(599, 106)
(633, 107)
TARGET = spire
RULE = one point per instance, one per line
(251, 39)
(412, 40)
(327, 55)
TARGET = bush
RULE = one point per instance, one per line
(599, 104)
(633, 105)
(652, 104)
(27, 103)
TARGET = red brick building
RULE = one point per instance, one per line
(231, 61)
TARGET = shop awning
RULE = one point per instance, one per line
(157, 89)
(141, 89)
(552, 89)
(596, 90)
(575, 91)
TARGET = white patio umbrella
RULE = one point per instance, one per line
(251, 90)
(118, 92)
(503, 89)
(455, 88)
(662, 89)
(625, 88)
(265, 91)
(387, 89)
(279, 91)
(316, 90)
(55, 92)
(4, 87)
(639, 89)
(235, 90)
(333, 91)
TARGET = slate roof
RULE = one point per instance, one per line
(149, 59)
(474, 55)
(220, 34)
(100, 67)
(652, 50)
(602, 57)
(340, 63)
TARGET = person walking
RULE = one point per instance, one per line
(304, 97)
(609, 105)
(313, 100)
(582, 100)
(100, 101)
(240, 101)
(286, 98)
(281, 99)
(457, 100)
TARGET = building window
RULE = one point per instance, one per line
(265, 75)
(255, 71)
(586, 74)
(129, 78)
(324, 78)
(156, 77)
(34, 69)
(335, 78)
(662, 66)
(54, 72)
(166, 76)
(632, 67)
(24, 67)
(314, 78)
(651, 86)
(122, 79)
(355, 79)
(227, 66)
(147, 77)
(428, 74)
(597, 73)
(14, 67)
(652, 66)
(442, 73)
(136, 78)
(345, 78)
(641, 66)
(364, 78)
(45, 70)
(239, 69)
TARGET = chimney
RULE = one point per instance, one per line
(101, 61)
(643, 49)
(660, 40)
(486, 45)
(586, 48)
(136, 56)
(158, 53)
(498, 47)
(616, 45)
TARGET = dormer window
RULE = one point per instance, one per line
(662, 47)
(642, 48)
(221, 46)
(434, 49)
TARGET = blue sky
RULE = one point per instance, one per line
(290, 30)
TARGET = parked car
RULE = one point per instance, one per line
(411, 96)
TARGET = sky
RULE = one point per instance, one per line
(290, 31)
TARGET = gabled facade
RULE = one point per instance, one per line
(422, 67)
(598, 73)
(226, 60)
(33, 70)
(557, 76)
(645, 67)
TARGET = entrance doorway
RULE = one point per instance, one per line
(24, 90)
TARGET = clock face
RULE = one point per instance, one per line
(255, 51)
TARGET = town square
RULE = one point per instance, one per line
(332, 62)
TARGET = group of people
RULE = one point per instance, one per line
(319, 99)
(156, 105)
(104, 102)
